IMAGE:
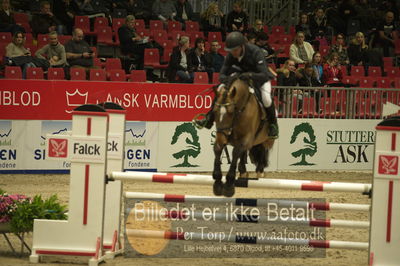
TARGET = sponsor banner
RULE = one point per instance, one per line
(55, 100)
(319, 144)
(184, 148)
(141, 142)
(11, 145)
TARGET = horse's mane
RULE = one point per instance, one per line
(233, 78)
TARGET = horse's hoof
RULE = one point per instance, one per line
(260, 175)
(217, 188)
(244, 175)
(229, 190)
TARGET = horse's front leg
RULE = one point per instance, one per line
(217, 174)
(229, 188)
(242, 166)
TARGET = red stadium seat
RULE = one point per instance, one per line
(113, 63)
(374, 71)
(118, 22)
(174, 26)
(21, 18)
(156, 25)
(100, 22)
(392, 72)
(215, 36)
(367, 82)
(139, 24)
(117, 75)
(278, 30)
(357, 71)
(5, 37)
(200, 78)
(56, 73)
(83, 23)
(34, 73)
(138, 76)
(192, 26)
(215, 78)
(98, 75)
(77, 73)
(13, 72)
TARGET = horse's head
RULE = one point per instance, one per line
(230, 102)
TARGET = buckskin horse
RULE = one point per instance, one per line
(240, 121)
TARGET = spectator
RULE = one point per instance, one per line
(340, 49)
(258, 27)
(90, 9)
(65, 11)
(212, 19)
(164, 10)
(286, 77)
(304, 26)
(332, 72)
(366, 15)
(45, 21)
(358, 50)
(251, 38)
(269, 52)
(318, 66)
(306, 77)
(318, 24)
(54, 52)
(135, 8)
(178, 63)
(78, 51)
(347, 11)
(17, 54)
(132, 44)
(237, 19)
(387, 34)
(184, 11)
(197, 59)
(7, 22)
(300, 51)
(214, 57)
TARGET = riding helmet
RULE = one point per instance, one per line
(234, 40)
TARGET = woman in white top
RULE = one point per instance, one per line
(301, 52)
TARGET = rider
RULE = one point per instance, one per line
(246, 59)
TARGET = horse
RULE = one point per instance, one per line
(240, 122)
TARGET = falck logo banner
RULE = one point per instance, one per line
(388, 165)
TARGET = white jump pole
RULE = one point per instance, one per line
(320, 206)
(245, 218)
(385, 214)
(243, 182)
(226, 237)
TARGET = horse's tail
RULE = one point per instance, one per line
(259, 155)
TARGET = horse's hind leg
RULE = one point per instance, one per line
(217, 174)
(229, 188)
(261, 161)
(242, 166)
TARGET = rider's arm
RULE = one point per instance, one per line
(262, 73)
(224, 72)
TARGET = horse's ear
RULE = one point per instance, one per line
(232, 92)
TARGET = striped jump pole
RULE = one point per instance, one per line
(320, 206)
(245, 218)
(226, 237)
(243, 182)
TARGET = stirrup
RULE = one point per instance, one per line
(195, 121)
(277, 131)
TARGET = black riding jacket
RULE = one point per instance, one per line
(253, 61)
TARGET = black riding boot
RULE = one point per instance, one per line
(273, 130)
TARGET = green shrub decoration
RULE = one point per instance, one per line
(27, 211)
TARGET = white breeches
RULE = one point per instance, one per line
(266, 94)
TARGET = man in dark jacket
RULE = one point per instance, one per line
(44, 21)
(215, 59)
(184, 11)
(237, 19)
(248, 60)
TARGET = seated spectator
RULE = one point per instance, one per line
(237, 19)
(318, 23)
(318, 66)
(135, 8)
(78, 51)
(163, 10)
(65, 11)
(340, 48)
(197, 60)
(17, 54)
(300, 51)
(257, 28)
(212, 19)
(332, 72)
(178, 63)
(347, 11)
(286, 76)
(304, 26)
(45, 21)
(7, 22)
(366, 15)
(387, 34)
(214, 57)
(54, 52)
(306, 77)
(251, 38)
(269, 52)
(184, 11)
(88, 8)
(358, 50)
(133, 44)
